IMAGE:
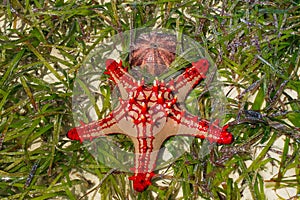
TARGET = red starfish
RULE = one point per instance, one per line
(149, 114)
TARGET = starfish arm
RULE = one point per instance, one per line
(190, 125)
(94, 129)
(191, 77)
(124, 81)
(146, 153)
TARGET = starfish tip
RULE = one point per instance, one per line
(141, 181)
(73, 135)
(109, 62)
(201, 65)
(225, 137)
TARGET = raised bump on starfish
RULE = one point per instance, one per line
(149, 114)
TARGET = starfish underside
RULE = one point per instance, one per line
(150, 114)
